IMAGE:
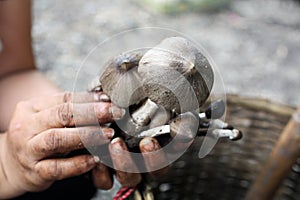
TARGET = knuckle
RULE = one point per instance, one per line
(22, 105)
(55, 170)
(35, 104)
(67, 97)
(52, 172)
(53, 142)
(65, 114)
(24, 161)
(34, 182)
(16, 128)
(35, 148)
(83, 166)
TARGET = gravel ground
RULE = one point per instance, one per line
(255, 44)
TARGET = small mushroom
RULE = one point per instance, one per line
(121, 82)
(144, 119)
(175, 76)
(142, 116)
(151, 114)
(184, 127)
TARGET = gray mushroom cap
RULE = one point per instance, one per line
(176, 75)
(121, 82)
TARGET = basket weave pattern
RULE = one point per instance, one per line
(230, 169)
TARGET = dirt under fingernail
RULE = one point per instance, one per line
(117, 113)
(117, 145)
(149, 144)
(96, 159)
(104, 98)
(108, 133)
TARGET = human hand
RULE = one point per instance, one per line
(43, 129)
(122, 159)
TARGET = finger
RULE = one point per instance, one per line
(102, 178)
(57, 169)
(62, 140)
(154, 157)
(69, 115)
(44, 102)
(123, 163)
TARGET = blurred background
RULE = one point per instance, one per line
(255, 44)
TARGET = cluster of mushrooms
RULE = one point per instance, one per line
(164, 89)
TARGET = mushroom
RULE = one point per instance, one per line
(184, 127)
(175, 76)
(148, 118)
(171, 77)
(121, 82)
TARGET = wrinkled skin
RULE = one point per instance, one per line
(42, 131)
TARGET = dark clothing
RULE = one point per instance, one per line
(80, 188)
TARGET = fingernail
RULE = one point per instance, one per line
(91, 160)
(116, 141)
(96, 159)
(104, 98)
(148, 144)
(108, 132)
(101, 97)
(117, 113)
(117, 145)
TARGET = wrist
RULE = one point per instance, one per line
(7, 188)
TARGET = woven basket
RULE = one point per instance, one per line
(231, 168)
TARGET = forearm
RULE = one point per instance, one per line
(18, 87)
(15, 34)
(18, 78)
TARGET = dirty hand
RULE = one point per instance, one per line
(121, 159)
(42, 130)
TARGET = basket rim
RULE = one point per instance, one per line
(261, 104)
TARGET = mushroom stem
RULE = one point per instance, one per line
(215, 111)
(142, 116)
(184, 126)
(127, 65)
(226, 133)
(190, 68)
